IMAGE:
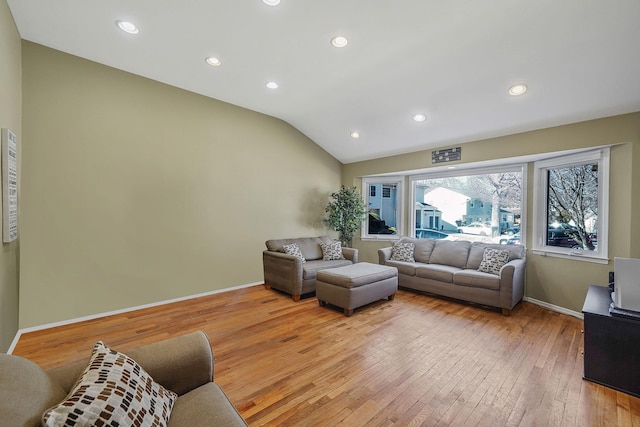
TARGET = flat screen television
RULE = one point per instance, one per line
(626, 284)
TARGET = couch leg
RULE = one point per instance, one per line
(348, 312)
(391, 297)
(296, 298)
(506, 312)
(322, 303)
(267, 286)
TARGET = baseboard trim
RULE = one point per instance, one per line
(553, 307)
(120, 311)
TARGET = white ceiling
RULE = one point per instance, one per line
(452, 60)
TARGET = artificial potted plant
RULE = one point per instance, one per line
(346, 212)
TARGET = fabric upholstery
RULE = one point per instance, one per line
(206, 405)
(182, 364)
(331, 251)
(293, 249)
(450, 268)
(289, 274)
(493, 260)
(423, 249)
(26, 391)
(356, 275)
(403, 251)
(453, 253)
(113, 388)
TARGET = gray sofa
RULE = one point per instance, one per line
(182, 364)
(289, 274)
(450, 268)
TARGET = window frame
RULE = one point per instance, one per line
(540, 208)
(400, 206)
(483, 170)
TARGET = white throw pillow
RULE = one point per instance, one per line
(331, 251)
(493, 260)
(403, 252)
(294, 250)
(113, 390)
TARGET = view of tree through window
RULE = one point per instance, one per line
(572, 206)
(479, 207)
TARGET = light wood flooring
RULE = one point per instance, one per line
(414, 361)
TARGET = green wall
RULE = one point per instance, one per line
(10, 117)
(556, 281)
(135, 192)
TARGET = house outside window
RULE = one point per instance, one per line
(571, 206)
(385, 205)
(475, 204)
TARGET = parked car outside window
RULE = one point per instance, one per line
(477, 228)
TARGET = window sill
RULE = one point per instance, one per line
(379, 238)
(573, 255)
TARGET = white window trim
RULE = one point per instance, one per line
(399, 181)
(516, 167)
(540, 226)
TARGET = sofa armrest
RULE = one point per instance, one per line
(350, 254)
(180, 364)
(512, 282)
(384, 255)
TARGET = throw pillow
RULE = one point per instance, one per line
(493, 260)
(403, 252)
(294, 250)
(331, 251)
(113, 390)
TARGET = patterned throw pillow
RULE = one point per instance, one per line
(331, 251)
(493, 260)
(403, 252)
(113, 390)
(294, 250)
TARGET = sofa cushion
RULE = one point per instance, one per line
(113, 387)
(206, 405)
(406, 268)
(309, 246)
(310, 268)
(26, 391)
(477, 252)
(493, 260)
(294, 250)
(452, 253)
(423, 249)
(403, 251)
(443, 273)
(331, 251)
(477, 279)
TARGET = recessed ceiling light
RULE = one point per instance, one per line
(127, 27)
(214, 62)
(271, 85)
(355, 135)
(339, 41)
(419, 117)
(518, 89)
(271, 2)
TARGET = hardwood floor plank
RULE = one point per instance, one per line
(415, 360)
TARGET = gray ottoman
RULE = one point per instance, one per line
(356, 285)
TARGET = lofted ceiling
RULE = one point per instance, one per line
(451, 60)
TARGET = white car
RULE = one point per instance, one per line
(476, 228)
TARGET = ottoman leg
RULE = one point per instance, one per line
(391, 297)
(348, 312)
(322, 303)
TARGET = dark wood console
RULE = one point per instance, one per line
(611, 344)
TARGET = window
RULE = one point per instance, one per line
(385, 203)
(571, 206)
(475, 204)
